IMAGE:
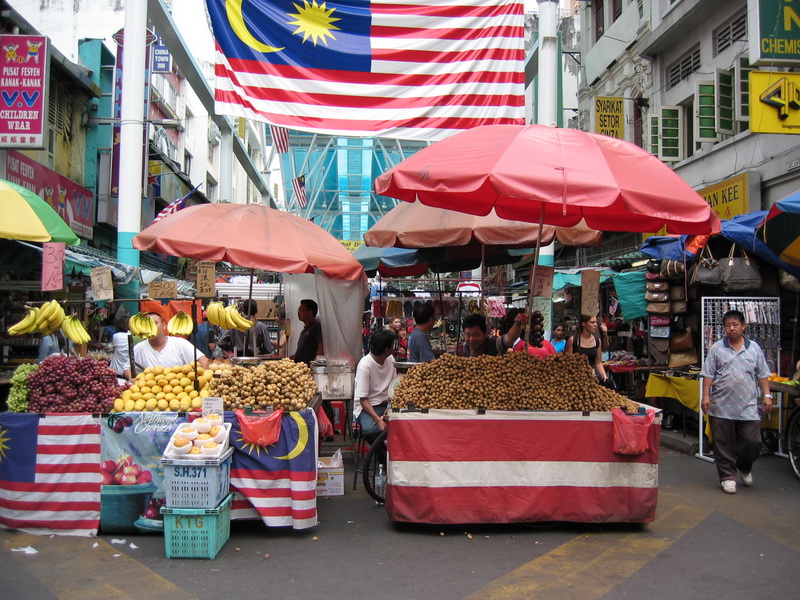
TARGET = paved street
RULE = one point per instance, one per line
(703, 544)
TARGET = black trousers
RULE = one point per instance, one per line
(737, 445)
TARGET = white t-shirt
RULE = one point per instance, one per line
(120, 360)
(372, 381)
(176, 352)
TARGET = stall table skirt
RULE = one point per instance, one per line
(454, 467)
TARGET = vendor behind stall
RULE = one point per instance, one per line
(587, 342)
(309, 344)
(253, 342)
(164, 351)
(478, 341)
(374, 376)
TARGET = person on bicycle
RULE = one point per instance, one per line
(733, 373)
(374, 375)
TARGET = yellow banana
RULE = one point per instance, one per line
(56, 318)
(213, 312)
(180, 324)
(47, 309)
(224, 319)
(238, 321)
(151, 326)
(133, 325)
(26, 325)
(73, 328)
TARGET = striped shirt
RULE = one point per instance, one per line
(735, 375)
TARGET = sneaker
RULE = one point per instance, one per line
(747, 478)
(729, 486)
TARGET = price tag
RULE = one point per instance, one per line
(590, 292)
(102, 283)
(206, 274)
(543, 282)
(53, 266)
(162, 289)
(213, 405)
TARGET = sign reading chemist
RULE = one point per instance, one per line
(777, 24)
(609, 116)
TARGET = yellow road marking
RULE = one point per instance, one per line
(73, 570)
(580, 568)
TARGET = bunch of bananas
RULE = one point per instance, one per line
(75, 331)
(26, 325)
(51, 316)
(180, 324)
(143, 325)
(227, 317)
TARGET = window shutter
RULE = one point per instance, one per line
(741, 94)
(724, 102)
(654, 136)
(705, 123)
(672, 134)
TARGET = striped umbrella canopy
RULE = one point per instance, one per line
(26, 216)
(780, 230)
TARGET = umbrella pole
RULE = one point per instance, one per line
(442, 339)
(483, 279)
(532, 277)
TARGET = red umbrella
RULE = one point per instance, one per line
(550, 175)
(250, 235)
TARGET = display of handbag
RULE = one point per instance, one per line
(739, 273)
(787, 281)
(706, 269)
(654, 265)
(657, 285)
(677, 292)
(677, 307)
(678, 323)
(682, 358)
(658, 308)
(673, 269)
(653, 276)
(681, 341)
(656, 296)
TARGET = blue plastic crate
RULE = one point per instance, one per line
(196, 533)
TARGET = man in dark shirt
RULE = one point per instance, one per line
(309, 343)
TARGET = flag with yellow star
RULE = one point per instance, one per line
(400, 68)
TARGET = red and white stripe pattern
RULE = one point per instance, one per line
(505, 467)
(299, 187)
(437, 67)
(64, 497)
(280, 138)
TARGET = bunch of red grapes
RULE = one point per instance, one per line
(72, 385)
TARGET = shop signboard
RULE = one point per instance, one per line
(53, 266)
(74, 203)
(609, 116)
(776, 24)
(774, 102)
(162, 59)
(728, 198)
(23, 91)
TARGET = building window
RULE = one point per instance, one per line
(616, 10)
(187, 162)
(598, 16)
(683, 67)
(732, 31)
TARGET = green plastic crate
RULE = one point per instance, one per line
(197, 533)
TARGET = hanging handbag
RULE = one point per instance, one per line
(654, 265)
(678, 323)
(677, 307)
(739, 273)
(681, 341)
(682, 358)
(673, 269)
(787, 281)
(651, 276)
(658, 285)
(659, 308)
(677, 292)
(706, 269)
(656, 296)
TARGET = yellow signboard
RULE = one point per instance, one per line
(728, 198)
(609, 116)
(774, 102)
(351, 245)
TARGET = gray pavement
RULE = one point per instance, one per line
(703, 544)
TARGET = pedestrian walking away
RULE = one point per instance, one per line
(734, 376)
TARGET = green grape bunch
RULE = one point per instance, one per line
(18, 395)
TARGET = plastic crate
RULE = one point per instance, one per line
(197, 483)
(193, 533)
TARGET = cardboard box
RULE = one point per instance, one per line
(330, 480)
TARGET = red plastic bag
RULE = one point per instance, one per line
(630, 431)
(325, 425)
(261, 430)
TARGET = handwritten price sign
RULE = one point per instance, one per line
(590, 292)
(206, 286)
(53, 266)
(102, 283)
(163, 289)
(543, 282)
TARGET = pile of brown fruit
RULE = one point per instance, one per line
(282, 384)
(515, 381)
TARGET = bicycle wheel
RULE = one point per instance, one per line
(793, 441)
(375, 456)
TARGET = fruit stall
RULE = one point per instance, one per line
(518, 439)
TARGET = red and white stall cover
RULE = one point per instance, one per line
(456, 466)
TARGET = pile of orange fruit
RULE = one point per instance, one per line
(778, 379)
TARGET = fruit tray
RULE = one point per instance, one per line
(195, 533)
(196, 483)
(172, 452)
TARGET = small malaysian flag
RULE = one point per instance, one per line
(280, 137)
(175, 206)
(299, 187)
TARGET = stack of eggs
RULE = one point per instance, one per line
(205, 437)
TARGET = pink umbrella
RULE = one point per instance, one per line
(250, 235)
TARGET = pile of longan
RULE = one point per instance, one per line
(282, 384)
